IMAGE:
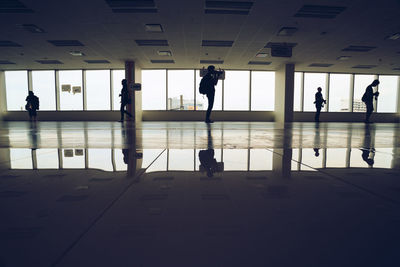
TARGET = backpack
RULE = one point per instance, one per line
(204, 87)
(364, 97)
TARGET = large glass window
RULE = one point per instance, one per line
(260, 160)
(180, 160)
(262, 90)
(388, 87)
(71, 97)
(21, 158)
(73, 158)
(235, 159)
(202, 101)
(298, 80)
(100, 159)
(118, 76)
(16, 89)
(153, 89)
(336, 157)
(180, 89)
(43, 84)
(236, 90)
(98, 89)
(47, 158)
(339, 92)
(361, 82)
(311, 82)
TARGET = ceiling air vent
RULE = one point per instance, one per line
(6, 62)
(217, 43)
(396, 68)
(8, 44)
(364, 66)
(65, 42)
(319, 12)
(228, 7)
(281, 49)
(132, 6)
(153, 28)
(320, 65)
(152, 42)
(165, 61)
(51, 62)
(259, 63)
(358, 48)
(31, 28)
(97, 61)
(13, 6)
(216, 62)
(287, 31)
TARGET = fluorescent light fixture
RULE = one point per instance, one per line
(164, 53)
(394, 36)
(343, 58)
(77, 53)
(153, 28)
(262, 54)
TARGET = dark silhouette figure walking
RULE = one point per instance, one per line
(207, 86)
(125, 99)
(317, 140)
(368, 99)
(207, 161)
(32, 105)
(319, 103)
(368, 150)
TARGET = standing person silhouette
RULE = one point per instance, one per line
(32, 104)
(368, 99)
(211, 79)
(125, 99)
(319, 103)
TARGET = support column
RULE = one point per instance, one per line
(133, 75)
(3, 100)
(284, 93)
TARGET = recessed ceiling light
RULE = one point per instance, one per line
(394, 36)
(343, 58)
(164, 53)
(153, 28)
(262, 54)
(77, 53)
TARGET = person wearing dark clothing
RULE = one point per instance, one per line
(32, 105)
(125, 99)
(368, 99)
(211, 79)
(319, 103)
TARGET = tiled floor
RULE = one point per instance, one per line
(106, 194)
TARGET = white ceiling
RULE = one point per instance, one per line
(111, 36)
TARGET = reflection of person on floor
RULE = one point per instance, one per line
(368, 99)
(32, 104)
(125, 99)
(319, 103)
(125, 152)
(317, 138)
(33, 137)
(368, 150)
(206, 157)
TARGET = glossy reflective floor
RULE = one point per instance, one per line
(188, 194)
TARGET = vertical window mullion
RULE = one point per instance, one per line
(111, 90)
(166, 89)
(351, 98)
(302, 92)
(327, 85)
(194, 90)
(57, 88)
(250, 75)
(84, 89)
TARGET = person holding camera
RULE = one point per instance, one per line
(210, 80)
(319, 103)
(32, 105)
(125, 99)
(368, 99)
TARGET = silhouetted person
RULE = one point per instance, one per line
(32, 105)
(319, 103)
(125, 99)
(368, 99)
(210, 80)
(206, 157)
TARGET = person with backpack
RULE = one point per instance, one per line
(32, 104)
(125, 99)
(207, 87)
(368, 98)
(319, 103)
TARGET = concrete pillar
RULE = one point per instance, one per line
(284, 93)
(133, 75)
(3, 101)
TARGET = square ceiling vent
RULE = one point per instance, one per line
(364, 66)
(65, 42)
(162, 61)
(97, 61)
(217, 43)
(153, 28)
(152, 42)
(6, 62)
(5, 43)
(320, 65)
(358, 48)
(287, 31)
(319, 12)
(13, 6)
(264, 63)
(132, 6)
(216, 62)
(49, 62)
(228, 7)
